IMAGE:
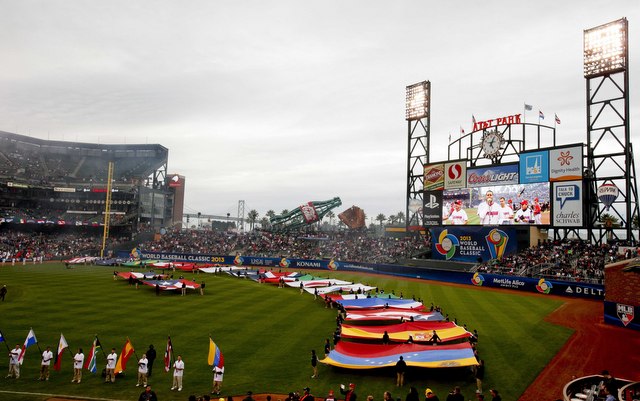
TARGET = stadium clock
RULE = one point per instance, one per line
(491, 142)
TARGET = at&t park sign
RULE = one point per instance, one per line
(514, 119)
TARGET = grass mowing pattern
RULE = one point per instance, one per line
(265, 333)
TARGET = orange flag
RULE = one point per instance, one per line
(127, 351)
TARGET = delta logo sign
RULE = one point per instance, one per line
(447, 244)
(543, 286)
(477, 280)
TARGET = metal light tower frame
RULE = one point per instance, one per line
(609, 148)
(418, 116)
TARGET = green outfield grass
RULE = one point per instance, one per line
(265, 333)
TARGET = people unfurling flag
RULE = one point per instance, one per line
(215, 357)
(62, 345)
(91, 363)
(168, 355)
(127, 351)
(29, 341)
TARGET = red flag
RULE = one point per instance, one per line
(127, 351)
(557, 119)
(62, 345)
(168, 355)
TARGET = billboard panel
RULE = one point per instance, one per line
(433, 177)
(567, 204)
(534, 167)
(565, 164)
(493, 175)
(455, 175)
(470, 244)
(499, 205)
(432, 208)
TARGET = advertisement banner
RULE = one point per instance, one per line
(567, 209)
(432, 209)
(434, 177)
(472, 244)
(622, 315)
(455, 175)
(565, 164)
(541, 286)
(495, 175)
(534, 167)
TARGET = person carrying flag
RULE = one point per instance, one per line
(14, 362)
(178, 372)
(143, 364)
(111, 366)
(218, 374)
(78, 361)
(47, 356)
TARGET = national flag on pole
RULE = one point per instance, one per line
(473, 119)
(449, 137)
(90, 362)
(29, 341)
(528, 107)
(541, 114)
(62, 345)
(168, 355)
(215, 355)
(557, 119)
(461, 130)
(124, 356)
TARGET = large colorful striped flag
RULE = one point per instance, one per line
(62, 345)
(369, 356)
(215, 355)
(126, 353)
(90, 363)
(29, 341)
(168, 355)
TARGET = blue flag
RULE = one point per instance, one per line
(1, 337)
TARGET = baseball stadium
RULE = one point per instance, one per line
(514, 275)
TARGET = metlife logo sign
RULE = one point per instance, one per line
(432, 208)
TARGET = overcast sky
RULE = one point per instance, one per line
(282, 102)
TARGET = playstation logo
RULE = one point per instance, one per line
(432, 202)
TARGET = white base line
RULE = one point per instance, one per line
(71, 397)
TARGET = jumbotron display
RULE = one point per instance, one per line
(544, 188)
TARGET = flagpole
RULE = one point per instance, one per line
(101, 349)
(524, 114)
(134, 350)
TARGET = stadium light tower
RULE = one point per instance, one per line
(418, 116)
(609, 149)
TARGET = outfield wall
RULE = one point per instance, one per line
(542, 286)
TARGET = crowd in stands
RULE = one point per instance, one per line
(572, 260)
(562, 260)
(340, 246)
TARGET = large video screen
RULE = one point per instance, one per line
(524, 204)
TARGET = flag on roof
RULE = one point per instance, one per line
(557, 119)
(62, 345)
(528, 107)
(215, 357)
(168, 355)
(29, 341)
(90, 363)
(461, 130)
(473, 119)
(126, 353)
(541, 114)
